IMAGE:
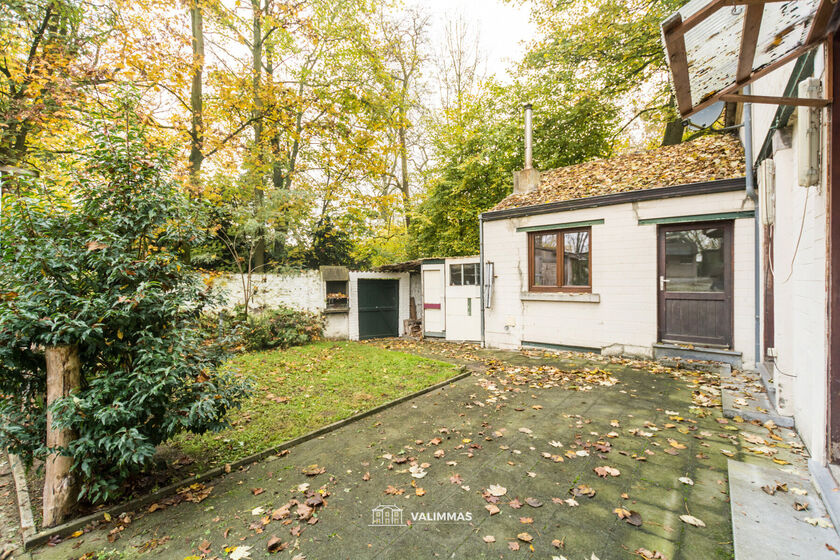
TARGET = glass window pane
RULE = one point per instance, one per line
(470, 275)
(576, 258)
(694, 260)
(455, 275)
(545, 259)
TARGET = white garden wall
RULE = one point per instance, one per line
(306, 290)
(302, 290)
(622, 308)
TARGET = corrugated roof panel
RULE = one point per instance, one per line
(783, 29)
(712, 51)
(713, 45)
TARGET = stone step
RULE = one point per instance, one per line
(766, 527)
(743, 394)
(703, 353)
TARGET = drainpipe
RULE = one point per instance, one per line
(481, 272)
(753, 195)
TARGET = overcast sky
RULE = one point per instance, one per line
(503, 27)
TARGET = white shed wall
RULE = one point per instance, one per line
(624, 278)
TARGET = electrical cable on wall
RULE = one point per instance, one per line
(796, 247)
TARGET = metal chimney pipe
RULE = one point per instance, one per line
(529, 137)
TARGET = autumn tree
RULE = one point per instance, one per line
(613, 49)
(49, 63)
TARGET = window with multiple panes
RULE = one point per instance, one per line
(560, 260)
(463, 274)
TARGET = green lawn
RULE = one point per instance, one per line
(304, 388)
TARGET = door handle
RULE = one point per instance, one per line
(662, 281)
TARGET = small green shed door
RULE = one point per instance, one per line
(378, 308)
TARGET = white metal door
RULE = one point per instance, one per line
(434, 313)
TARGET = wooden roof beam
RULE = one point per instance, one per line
(678, 61)
(749, 40)
(772, 100)
(819, 25)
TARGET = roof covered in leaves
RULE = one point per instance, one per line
(710, 158)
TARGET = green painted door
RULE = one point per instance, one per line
(378, 308)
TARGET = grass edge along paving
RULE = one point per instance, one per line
(304, 388)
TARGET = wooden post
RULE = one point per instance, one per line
(63, 376)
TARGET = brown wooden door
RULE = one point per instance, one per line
(695, 283)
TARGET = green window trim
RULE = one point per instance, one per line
(699, 218)
(567, 225)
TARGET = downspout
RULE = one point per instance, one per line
(482, 271)
(753, 195)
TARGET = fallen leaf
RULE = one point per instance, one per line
(650, 555)
(686, 480)
(606, 471)
(525, 537)
(533, 502)
(819, 522)
(492, 508)
(526, 520)
(513, 545)
(314, 470)
(275, 544)
(496, 490)
(240, 552)
(691, 520)
(489, 539)
(420, 492)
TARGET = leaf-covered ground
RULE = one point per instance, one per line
(301, 389)
(535, 455)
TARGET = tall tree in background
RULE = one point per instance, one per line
(613, 48)
(49, 57)
(477, 139)
(404, 54)
(196, 94)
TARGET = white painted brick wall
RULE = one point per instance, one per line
(300, 290)
(624, 274)
(800, 305)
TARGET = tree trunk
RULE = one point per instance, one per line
(674, 129)
(196, 96)
(406, 194)
(673, 132)
(60, 489)
(257, 63)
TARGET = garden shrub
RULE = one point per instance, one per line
(281, 327)
(99, 268)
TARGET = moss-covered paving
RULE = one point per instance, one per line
(534, 455)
